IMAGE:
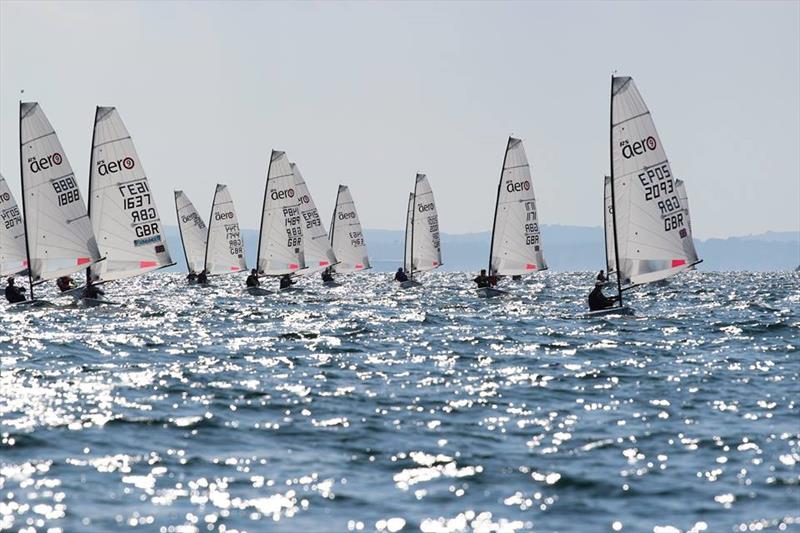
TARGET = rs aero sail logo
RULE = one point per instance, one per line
(44, 163)
(630, 149)
(275, 194)
(111, 167)
(347, 216)
(518, 186)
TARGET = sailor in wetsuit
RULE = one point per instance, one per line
(286, 281)
(65, 283)
(192, 277)
(14, 293)
(602, 277)
(598, 300)
(252, 279)
(327, 277)
(92, 291)
(483, 280)
(400, 276)
(202, 278)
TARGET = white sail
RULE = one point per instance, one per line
(516, 243)
(13, 257)
(280, 241)
(688, 242)
(426, 250)
(60, 236)
(347, 238)
(317, 251)
(650, 220)
(121, 205)
(225, 247)
(193, 232)
(608, 224)
(409, 231)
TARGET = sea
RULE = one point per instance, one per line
(367, 407)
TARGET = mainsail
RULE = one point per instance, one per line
(224, 247)
(688, 243)
(608, 224)
(424, 249)
(347, 239)
(121, 205)
(317, 251)
(516, 243)
(13, 258)
(193, 232)
(280, 240)
(59, 233)
(651, 225)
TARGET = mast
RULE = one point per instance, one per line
(613, 204)
(333, 216)
(497, 204)
(91, 166)
(208, 229)
(605, 229)
(263, 208)
(413, 222)
(180, 232)
(405, 241)
(24, 212)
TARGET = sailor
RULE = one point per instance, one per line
(252, 279)
(601, 277)
(14, 293)
(598, 300)
(400, 275)
(192, 277)
(202, 277)
(91, 290)
(327, 277)
(286, 281)
(482, 279)
(65, 283)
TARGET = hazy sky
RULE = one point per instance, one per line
(367, 94)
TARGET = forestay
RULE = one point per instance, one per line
(280, 240)
(225, 247)
(608, 224)
(346, 236)
(426, 251)
(650, 219)
(688, 243)
(59, 232)
(317, 251)
(516, 243)
(121, 205)
(13, 258)
(193, 232)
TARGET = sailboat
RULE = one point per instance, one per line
(224, 245)
(193, 232)
(59, 235)
(422, 243)
(346, 236)
(516, 247)
(648, 220)
(280, 238)
(13, 258)
(317, 251)
(122, 208)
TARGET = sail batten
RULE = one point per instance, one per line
(346, 235)
(516, 242)
(224, 246)
(122, 208)
(59, 234)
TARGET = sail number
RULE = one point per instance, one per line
(233, 235)
(11, 217)
(311, 218)
(531, 224)
(291, 221)
(67, 190)
(659, 187)
(356, 238)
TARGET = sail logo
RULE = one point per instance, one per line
(305, 199)
(45, 162)
(281, 195)
(425, 207)
(223, 216)
(518, 186)
(639, 147)
(104, 168)
(5, 197)
(346, 216)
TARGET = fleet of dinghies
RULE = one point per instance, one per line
(119, 234)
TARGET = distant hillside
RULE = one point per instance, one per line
(567, 248)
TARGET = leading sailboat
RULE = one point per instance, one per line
(649, 221)
(516, 247)
(422, 243)
(59, 235)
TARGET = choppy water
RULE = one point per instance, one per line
(366, 407)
